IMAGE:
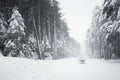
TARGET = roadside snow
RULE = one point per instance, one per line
(63, 69)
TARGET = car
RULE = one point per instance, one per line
(82, 61)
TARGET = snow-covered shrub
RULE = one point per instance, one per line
(47, 54)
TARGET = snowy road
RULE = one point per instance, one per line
(64, 69)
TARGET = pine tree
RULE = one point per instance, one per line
(32, 44)
(42, 17)
(3, 28)
(16, 23)
(16, 33)
(107, 28)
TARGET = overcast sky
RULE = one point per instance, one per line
(78, 14)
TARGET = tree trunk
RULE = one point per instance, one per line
(36, 32)
(39, 35)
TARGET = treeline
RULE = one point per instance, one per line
(103, 37)
(34, 29)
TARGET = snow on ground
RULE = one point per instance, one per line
(63, 69)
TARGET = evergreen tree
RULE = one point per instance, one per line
(104, 34)
(3, 28)
(43, 18)
(16, 33)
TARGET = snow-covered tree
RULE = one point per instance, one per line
(43, 17)
(32, 44)
(16, 33)
(16, 23)
(3, 25)
(3, 28)
(46, 49)
(105, 30)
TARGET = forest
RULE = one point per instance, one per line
(103, 37)
(35, 29)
